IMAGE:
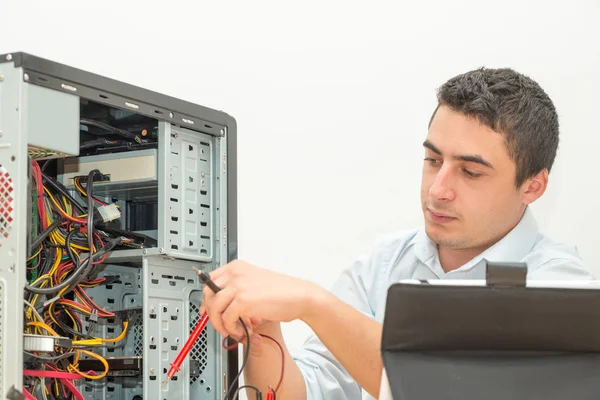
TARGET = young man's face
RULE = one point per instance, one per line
(468, 191)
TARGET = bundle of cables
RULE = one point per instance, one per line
(66, 249)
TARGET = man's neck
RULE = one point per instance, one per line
(451, 259)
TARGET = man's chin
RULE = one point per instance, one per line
(443, 238)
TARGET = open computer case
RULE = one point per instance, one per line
(148, 183)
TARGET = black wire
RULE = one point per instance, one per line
(50, 359)
(90, 210)
(47, 262)
(246, 355)
(258, 392)
(85, 188)
(108, 128)
(44, 234)
(60, 187)
(66, 328)
(77, 276)
(70, 252)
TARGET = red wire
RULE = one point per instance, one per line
(37, 175)
(28, 395)
(85, 190)
(282, 362)
(235, 344)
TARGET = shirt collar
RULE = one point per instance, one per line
(514, 246)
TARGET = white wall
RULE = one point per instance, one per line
(332, 101)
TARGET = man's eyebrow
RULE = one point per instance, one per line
(474, 158)
(431, 147)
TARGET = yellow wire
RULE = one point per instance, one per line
(47, 277)
(73, 368)
(36, 254)
(43, 326)
(83, 310)
(51, 197)
(120, 337)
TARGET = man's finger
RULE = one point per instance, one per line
(217, 273)
(219, 304)
(230, 318)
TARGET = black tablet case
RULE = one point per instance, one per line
(485, 342)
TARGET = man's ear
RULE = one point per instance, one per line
(534, 187)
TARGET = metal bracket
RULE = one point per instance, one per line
(14, 394)
(509, 274)
(194, 368)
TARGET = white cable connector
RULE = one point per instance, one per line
(109, 212)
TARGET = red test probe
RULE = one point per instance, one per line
(185, 350)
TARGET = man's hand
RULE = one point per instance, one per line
(248, 291)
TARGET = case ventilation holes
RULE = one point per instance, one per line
(138, 337)
(199, 351)
(6, 203)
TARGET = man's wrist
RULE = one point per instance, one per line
(316, 301)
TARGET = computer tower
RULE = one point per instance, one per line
(145, 181)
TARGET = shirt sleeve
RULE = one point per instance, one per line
(567, 269)
(325, 377)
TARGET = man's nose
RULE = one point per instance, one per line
(442, 188)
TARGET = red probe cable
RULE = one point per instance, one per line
(185, 350)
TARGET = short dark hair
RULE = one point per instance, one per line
(513, 105)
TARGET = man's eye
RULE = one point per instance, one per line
(431, 161)
(471, 174)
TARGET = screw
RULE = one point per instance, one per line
(171, 115)
(152, 371)
(8, 57)
(1, 78)
(26, 77)
(1, 133)
(203, 174)
(222, 131)
(152, 310)
(162, 250)
(151, 339)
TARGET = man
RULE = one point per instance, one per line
(489, 149)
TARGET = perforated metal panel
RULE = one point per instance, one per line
(138, 336)
(187, 193)
(200, 351)
(7, 206)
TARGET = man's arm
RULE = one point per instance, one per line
(351, 336)
(264, 365)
